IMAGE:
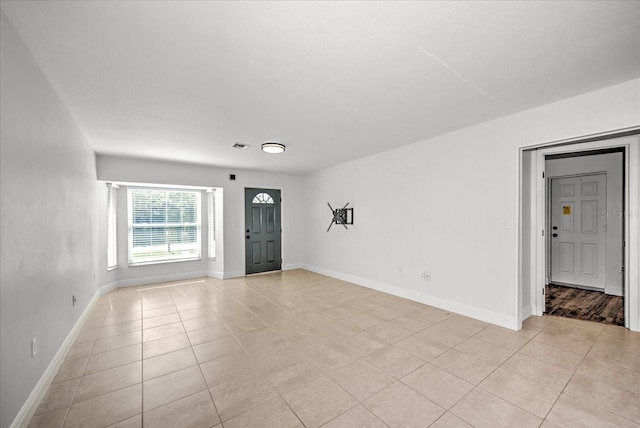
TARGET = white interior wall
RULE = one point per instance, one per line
(49, 223)
(448, 205)
(230, 253)
(611, 164)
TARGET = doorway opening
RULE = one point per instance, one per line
(579, 228)
(584, 233)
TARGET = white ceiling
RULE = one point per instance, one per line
(334, 81)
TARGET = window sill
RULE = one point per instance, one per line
(160, 262)
(109, 269)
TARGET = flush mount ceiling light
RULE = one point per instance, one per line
(273, 147)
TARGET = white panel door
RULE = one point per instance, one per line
(578, 230)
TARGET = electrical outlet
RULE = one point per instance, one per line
(34, 346)
(426, 276)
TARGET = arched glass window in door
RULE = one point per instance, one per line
(262, 198)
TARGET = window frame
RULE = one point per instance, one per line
(263, 198)
(164, 259)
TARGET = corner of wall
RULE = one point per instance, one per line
(215, 274)
(527, 311)
(447, 305)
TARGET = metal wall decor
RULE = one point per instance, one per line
(343, 216)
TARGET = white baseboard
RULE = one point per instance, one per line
(108, 287)
(614, 291)
(292, 266)
(233, 274)
(157, 279)
(160, 278)
(37, 394)
(447, 305)
(215, 274)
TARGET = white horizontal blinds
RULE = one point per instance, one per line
(112, 253)
(164, 224)
(211, 207)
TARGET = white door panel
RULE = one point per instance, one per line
(566, 258)
(578, 231)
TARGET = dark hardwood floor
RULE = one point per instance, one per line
(584, 304)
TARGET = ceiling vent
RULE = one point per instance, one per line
(239, 146)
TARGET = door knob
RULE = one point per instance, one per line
(555, 235)
(554, 228)
(248, 236)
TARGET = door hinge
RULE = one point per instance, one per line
(543, 291)
(542, 174)
(542, 232)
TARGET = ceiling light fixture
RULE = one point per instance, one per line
(273, 147)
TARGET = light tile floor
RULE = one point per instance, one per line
(297, 349)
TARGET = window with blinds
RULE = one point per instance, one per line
(164, 225)
(112, 248)
(211, 205)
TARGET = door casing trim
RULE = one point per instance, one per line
(628, 139)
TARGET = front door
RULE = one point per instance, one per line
(578, 230)
(263, 230)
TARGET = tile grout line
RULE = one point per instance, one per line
(570, 378)
(326, 372)
(64, 421)
(272, 385)
(516, 352)
(248, 353)
(215, 407)
(476, 387)
(510, 357)
(573, 375)
(91, 354)
(320, 310)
